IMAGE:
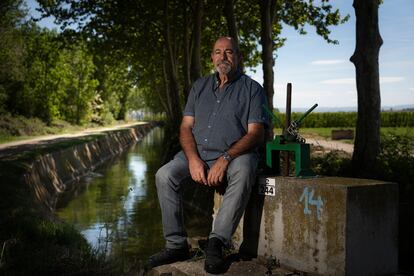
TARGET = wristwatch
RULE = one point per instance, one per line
(227, 156)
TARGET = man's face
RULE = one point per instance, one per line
(224, 57)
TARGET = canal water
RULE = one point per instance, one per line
(117, 208)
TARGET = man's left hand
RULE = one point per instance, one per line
(217, 172)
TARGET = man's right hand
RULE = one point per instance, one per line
(196, 165)
(197, 170)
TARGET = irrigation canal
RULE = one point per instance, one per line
(116, 206)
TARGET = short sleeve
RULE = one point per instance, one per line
(257, 112)
(189, 107)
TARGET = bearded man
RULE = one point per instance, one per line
(222, 126)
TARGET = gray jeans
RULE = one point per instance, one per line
(241, 176)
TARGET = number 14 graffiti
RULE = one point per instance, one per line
(307, 196)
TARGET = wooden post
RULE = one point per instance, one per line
(286, 154)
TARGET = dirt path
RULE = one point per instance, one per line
(8, 149)
(67, 135)
(329, 144)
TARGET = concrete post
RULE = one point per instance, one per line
(324, 225)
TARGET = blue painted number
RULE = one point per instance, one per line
(307, 197)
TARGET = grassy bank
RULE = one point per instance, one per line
(33, 241)
(15, 128)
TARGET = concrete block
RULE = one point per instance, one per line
(324, 225)
(235, 268)
(338, 134)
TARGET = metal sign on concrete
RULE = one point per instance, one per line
(267, 186)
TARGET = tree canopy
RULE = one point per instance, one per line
(109, 51)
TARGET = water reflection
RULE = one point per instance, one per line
(118, 211)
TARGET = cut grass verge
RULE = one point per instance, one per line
(326, 132)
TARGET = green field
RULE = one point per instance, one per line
(349, 119)
(325, 132)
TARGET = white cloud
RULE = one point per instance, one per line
(411, 88)
(352, 80)
(390, 79)
(339, 81)
(327, 61)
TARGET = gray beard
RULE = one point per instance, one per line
(223, 70)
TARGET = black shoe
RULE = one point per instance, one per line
(214, 256)
(168, 256)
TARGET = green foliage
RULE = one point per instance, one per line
(115, 82)
(80, 86)
(348, 119)
(325, 119)
(101, 114)
(143, 98)
(298, 13)
(12, 50)
(21, 126)
(157, 38)
(333, 163)
(159, 117)
(397, 119)
(40, 94)
(59, 82)
(396, 162)
(88, 74)
(53, 75)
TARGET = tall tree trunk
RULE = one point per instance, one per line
(160, 91)
(78, 101)
(266, 19)
(231, 23)
(267, 49)
(195, 71)
(166, 96)
(123, 102)
(365, 59)
(186, 55)
(170, 61)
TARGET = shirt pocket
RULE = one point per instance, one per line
(233, 108)
(234, 120)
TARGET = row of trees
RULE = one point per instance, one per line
(57, 76)
(169, 41)
(160, 47)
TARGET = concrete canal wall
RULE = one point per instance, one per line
(53, 173)
(322, 226)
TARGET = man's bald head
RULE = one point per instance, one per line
(233, 42)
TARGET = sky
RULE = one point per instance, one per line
(322, 73)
